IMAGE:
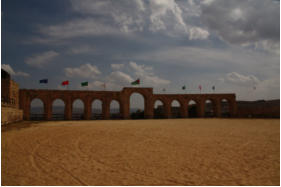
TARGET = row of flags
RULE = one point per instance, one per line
(136, 82)
(200, 87)
(64, 83)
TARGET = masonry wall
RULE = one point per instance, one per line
(10, 93)
(123, 98)
(10, 115)
(258, 109)
(10, 111)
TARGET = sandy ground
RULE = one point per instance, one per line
(142, 152)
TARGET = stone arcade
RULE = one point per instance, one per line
(123, 97)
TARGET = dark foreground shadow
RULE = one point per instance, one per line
(18, 125)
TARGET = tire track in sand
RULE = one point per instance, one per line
(110, 167)
(34, 162)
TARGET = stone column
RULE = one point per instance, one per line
(125, 107)
(201, 108)
(167, 106)
(148, 108)
(26, 109)
(87, 109)
(217, 107)
(48, 110)
(184, 110)
(68, 109)
(106, 109)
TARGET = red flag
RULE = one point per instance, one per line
(65, 83)
(200, 87)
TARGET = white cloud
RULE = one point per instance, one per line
(198, 33)
(10, 70)
(147, 76)
(117, 66)
(23, 74)
(39, 60)
(84, 71)
(141, 70)
(83, 49)
(124, 17)
(244, 22)
(77, 28)
(243, 80)
(120, 78)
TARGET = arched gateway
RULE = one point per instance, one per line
(123, 97)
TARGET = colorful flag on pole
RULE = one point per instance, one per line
(45, 81)
(65, 83)
(135, 82)
(214, 88)
(183, 87)
(84, 83)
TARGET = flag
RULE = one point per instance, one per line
(45, 81)
(65, 83)
(183, 87)
(254, 88)
(213, 87)
(163, 89)
(200, 87)
(135, 82)
(84, 83)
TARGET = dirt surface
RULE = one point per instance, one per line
(142, 152)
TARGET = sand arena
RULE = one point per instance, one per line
(142, 152)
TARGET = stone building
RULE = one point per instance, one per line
(10, 111)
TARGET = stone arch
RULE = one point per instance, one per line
(115, 109)
(193, 108)
(58, 109)
(37, 109)
(78, 109)
(137, 105)
(96, 109)
(209, 108)
(159, 109)
(176, 109)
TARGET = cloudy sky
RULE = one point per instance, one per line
(232, 45)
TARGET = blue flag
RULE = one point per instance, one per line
(45, 81)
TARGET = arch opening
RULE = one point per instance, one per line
(137, 106)
(176, 109)
(225, 108)
(159, 111)
(58, 108)
(115, 110)
(77, 109)
(37, 112)
(96, 109)
(192, 109)
(209, 110)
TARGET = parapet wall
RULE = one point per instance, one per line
(10, 111)
(10, 115)
(123, 98)
(10, 93)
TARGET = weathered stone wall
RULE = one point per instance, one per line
(10, 111)
(258, 109)
(10, 93)
(10, 115)
(123, 97)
